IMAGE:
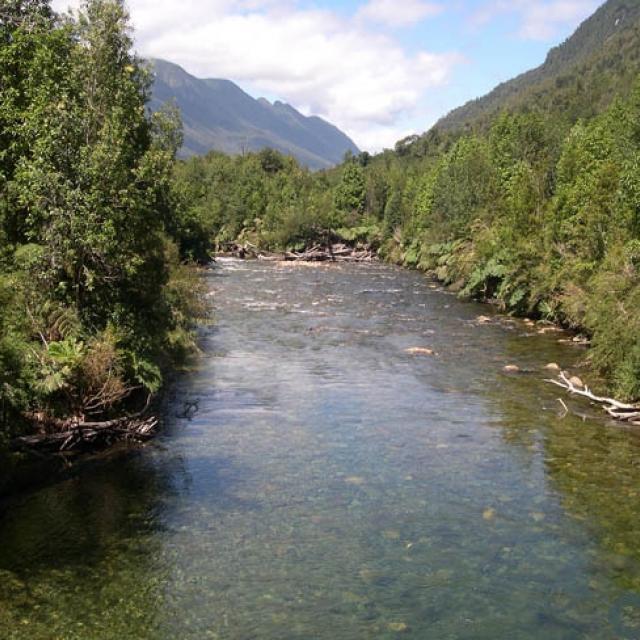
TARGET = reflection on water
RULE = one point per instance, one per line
(331, 485)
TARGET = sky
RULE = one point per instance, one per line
(378, 69)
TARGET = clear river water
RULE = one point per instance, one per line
(314, 480)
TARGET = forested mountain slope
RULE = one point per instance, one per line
(218, 115)
(578, 78)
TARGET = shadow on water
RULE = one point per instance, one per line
(84, 557)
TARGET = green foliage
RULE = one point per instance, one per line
(464, 187)
(89, 306)
(350, 194)
(266, 198)
(367, 233)
(393, 212)
(612, 318)
(146, 372)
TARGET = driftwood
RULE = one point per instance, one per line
(337, 252)
(621, 411)
(332, 253)
(246, 251)
(89, 435)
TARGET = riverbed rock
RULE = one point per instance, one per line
(420, 351)
(489, 514)
(511, 368)
(553, 366)
(576, 382)
(398, 627)
(374, 577)
(483, 320)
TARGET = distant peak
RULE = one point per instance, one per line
(218, 114)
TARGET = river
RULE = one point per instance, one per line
(315, 481)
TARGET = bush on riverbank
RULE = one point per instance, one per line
(92, 297)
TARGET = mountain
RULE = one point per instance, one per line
(578, 79)
(217, 114)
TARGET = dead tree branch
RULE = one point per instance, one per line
(624, 412)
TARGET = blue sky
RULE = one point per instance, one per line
(378, 69)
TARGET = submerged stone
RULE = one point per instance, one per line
(489, 514)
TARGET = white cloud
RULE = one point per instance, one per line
(540, 20)
(398, 14)
(363, 81)
(386, 137)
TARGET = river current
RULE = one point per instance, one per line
(314, 479)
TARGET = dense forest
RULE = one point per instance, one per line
(95, 302)
(534, 204)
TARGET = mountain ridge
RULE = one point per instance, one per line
(219, 115)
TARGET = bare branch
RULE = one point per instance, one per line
(621, 411)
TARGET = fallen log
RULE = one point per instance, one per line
(241, 251)
(74, 434)
(331, 253)
(621, 411)
(88, 435)
(338, 252)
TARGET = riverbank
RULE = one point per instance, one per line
(45, 444)
(456, 266)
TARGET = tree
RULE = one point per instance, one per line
(87, 273)
(350, 195)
